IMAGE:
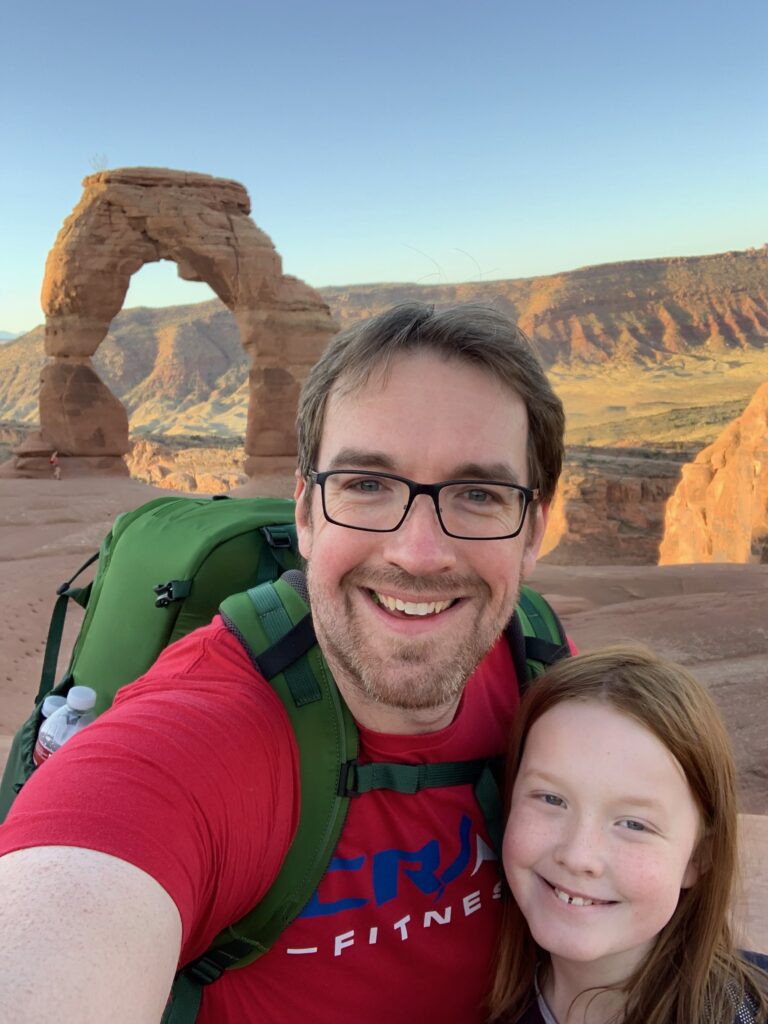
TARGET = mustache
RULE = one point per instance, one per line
(391, 577)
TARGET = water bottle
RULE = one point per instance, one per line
(52, 703)
(64, 722)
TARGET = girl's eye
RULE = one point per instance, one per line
(552, 799)
(633, 825)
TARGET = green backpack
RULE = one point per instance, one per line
(165, 569)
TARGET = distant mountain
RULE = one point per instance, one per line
(7, 336)
(641, 311)
(182, 370)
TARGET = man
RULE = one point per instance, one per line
(170, 816)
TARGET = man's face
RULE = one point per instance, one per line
(431, 420)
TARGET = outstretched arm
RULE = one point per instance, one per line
(84, 938)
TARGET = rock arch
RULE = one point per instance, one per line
(139, 215)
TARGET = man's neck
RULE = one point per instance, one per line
(382, 718)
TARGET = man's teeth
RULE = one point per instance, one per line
(575, 901)
(394, 604)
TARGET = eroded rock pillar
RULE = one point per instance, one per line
(284, 342)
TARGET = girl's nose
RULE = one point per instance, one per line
(580, 848)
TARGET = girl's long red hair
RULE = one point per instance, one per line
(693, 974)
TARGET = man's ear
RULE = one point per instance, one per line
(535, 537)
(303, 516)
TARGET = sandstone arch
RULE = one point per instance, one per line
(139, 215)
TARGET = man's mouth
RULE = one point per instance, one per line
(417, 608)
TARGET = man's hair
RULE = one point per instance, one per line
(692, 973)
(480, 335)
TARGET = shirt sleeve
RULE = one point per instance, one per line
(192, 776)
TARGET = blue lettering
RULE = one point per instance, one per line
(315, 908)
(453, 871)
(386, 865)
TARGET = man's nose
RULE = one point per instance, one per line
(420, 546)
(580, 848)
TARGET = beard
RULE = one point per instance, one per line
(407, 675)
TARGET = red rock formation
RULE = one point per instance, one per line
(640, 310)
(201, 470)
(719, 511)
(130, 217)
(609, 507)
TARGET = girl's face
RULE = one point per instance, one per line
(600, 838)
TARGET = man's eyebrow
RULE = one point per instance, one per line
(361, 458)
(500, 471)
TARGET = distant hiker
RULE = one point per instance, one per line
(621, 852)
(430, 444)
(54, 461)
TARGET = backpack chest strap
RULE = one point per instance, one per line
(357, 779)
(481, 774)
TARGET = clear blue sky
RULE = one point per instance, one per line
(398, 141)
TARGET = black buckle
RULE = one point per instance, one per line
(276, 537)
(204, 970)
(164, 593)
(346, 771)
(174, 590)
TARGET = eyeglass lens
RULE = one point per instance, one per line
(370, 502)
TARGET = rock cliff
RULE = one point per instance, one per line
(719, 511)
(609, 507)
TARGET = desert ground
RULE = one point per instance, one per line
(714, 618)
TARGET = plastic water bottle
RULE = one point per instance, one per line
(52, 703)
(64, 722)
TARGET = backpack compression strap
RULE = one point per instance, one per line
(66, 593)
(536, 637)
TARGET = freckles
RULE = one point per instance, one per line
(523, 841)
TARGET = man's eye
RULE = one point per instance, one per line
(478, 496)
(364, 485)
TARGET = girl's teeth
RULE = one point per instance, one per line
(574, 901)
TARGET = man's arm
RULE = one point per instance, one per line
(84, 938)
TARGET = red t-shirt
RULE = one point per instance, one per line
(193, 777)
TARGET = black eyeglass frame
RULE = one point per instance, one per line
(530, 495)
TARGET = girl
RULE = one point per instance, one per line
(620, 852)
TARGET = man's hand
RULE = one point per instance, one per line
(84, 938)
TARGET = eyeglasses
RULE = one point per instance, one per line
(466, 509)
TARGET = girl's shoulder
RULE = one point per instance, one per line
(747, 1013)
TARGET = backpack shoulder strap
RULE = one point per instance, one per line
(274, 625)
(536, 637)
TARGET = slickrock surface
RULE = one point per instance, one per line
(719, 511)
(714, 618)
(133, 216)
